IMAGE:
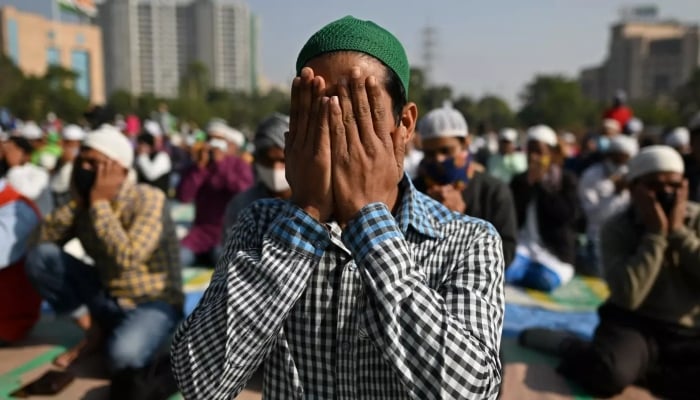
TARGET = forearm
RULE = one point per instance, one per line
(129, 248)
(631, 278)
(57, 227)
(221, 344)
(234, 180)
(153, 170)
(425, 334)
(687, 243)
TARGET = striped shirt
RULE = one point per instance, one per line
(405, 307)
(132, 241)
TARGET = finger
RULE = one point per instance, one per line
(360, 105)
(293, 111)
(379, 111)
(304, 99)
(348, 118)
(318, 87)
(339, 148)
(322, 142)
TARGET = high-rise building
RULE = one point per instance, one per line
(648, 58)
(34, 43)
(153, 42)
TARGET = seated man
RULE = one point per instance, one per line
(269, 168)
(19, 302)
(132, 298)
(28, 179)
(547, 208)
(359, 287)
(216, 176)
(649, 330)
(450, 175)
(509, 161)
(72, 138)
(603, 192)
(153, 166)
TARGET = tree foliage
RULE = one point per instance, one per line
(556, 101)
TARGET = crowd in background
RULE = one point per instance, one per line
(547, 193)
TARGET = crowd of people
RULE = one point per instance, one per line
(375, 245)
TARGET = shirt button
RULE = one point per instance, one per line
(352, 267)
(345, 345)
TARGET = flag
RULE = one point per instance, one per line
(82, 7)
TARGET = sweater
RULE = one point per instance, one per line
(653, 275)
(489, 199)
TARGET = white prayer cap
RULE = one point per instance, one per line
(31, 131)
(612, 124)
(679, 137)
(153, 128)
(542, 133)
(568, 137)
(651, 159)
(109, 141)
(443, 122)
(220, 144)
(508, 135)
(220, 129)
(624, 144)
(73, 133)
(635, 126)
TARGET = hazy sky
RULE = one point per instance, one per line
(492, 46)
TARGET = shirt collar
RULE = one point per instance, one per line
(413, 210)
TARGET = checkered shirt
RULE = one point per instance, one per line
(406, 307)
(132, 241)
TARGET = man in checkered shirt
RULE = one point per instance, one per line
(359, 287)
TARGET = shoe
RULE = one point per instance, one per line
(549, 341)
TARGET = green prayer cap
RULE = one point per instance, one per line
(352, 34)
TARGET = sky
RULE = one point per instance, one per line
(482, 47)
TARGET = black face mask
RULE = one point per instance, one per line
(83, 179)
(667, 200)
(3, 168)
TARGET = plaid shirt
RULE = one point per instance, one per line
(132, 241)
(392, 308)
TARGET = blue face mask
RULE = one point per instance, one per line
(603, 143)
(452, 171)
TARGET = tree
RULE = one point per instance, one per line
(122, 102)
(688, 97)
(11, 79)
(556, 101)
(657, 113)
(195, 82)
(492, 112)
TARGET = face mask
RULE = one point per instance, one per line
(603, 143)
(274, 179)
(3, 168)
(83, 179)
(667, 200)
(452, 171)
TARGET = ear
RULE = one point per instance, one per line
(409, 117)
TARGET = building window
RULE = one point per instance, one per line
(662, 84)
(80, 39)
(51, 35)
(13, 40)
(53, 56)
(80, 64)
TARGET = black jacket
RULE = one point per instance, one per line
(490, 199)
(558, 212)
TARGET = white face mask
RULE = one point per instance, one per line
(274, 179)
